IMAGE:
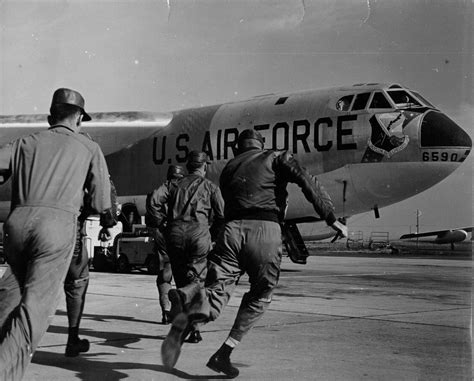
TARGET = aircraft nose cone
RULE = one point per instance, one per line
(438, 130)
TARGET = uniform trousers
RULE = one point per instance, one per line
(244, 246)
(77, 281)
(188, 245)
(38, 245)
(164, 277)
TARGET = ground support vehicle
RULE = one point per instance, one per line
(124, 252)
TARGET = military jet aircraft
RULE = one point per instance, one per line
(370, 145)
(450, 236)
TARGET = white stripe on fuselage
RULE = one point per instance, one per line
(87, 125)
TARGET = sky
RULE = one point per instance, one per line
(165, 55)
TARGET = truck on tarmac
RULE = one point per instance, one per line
(127, 250)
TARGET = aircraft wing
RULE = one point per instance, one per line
(111, 130)
(319, 237)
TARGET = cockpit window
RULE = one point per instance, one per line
(344, 103)
(379, 101)
(423, 99)
(402, 98)
(361, 101)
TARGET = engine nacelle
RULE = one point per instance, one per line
(451, 237)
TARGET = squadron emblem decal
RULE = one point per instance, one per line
(387, 136)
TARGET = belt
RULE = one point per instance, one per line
(254, 214)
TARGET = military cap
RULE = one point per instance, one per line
(198, 157)
(174, 172)
(70, 97)
(249, 134)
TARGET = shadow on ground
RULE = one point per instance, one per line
(88, 368)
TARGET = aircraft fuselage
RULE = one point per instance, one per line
(364, 158)
(369, 145)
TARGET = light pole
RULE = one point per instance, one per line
(418, 214)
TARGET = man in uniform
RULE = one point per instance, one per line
(77, 279)
(153, 212)
(192, 206)
(253, 185)
(49, 171)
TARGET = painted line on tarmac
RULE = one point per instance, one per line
(377, 317)
(346, 275)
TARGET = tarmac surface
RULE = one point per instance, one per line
(335, 318)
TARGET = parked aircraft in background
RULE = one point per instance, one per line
(450, 236)
(370, 145)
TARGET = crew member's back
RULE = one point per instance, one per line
(49, 168)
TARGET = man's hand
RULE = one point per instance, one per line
(340, 228)
(105, 235)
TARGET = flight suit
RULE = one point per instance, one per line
(253, 186)
(49, 172)
(193, 205)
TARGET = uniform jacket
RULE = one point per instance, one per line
(52, 168)
(156, 208)
(253, 185)
(192, 198)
